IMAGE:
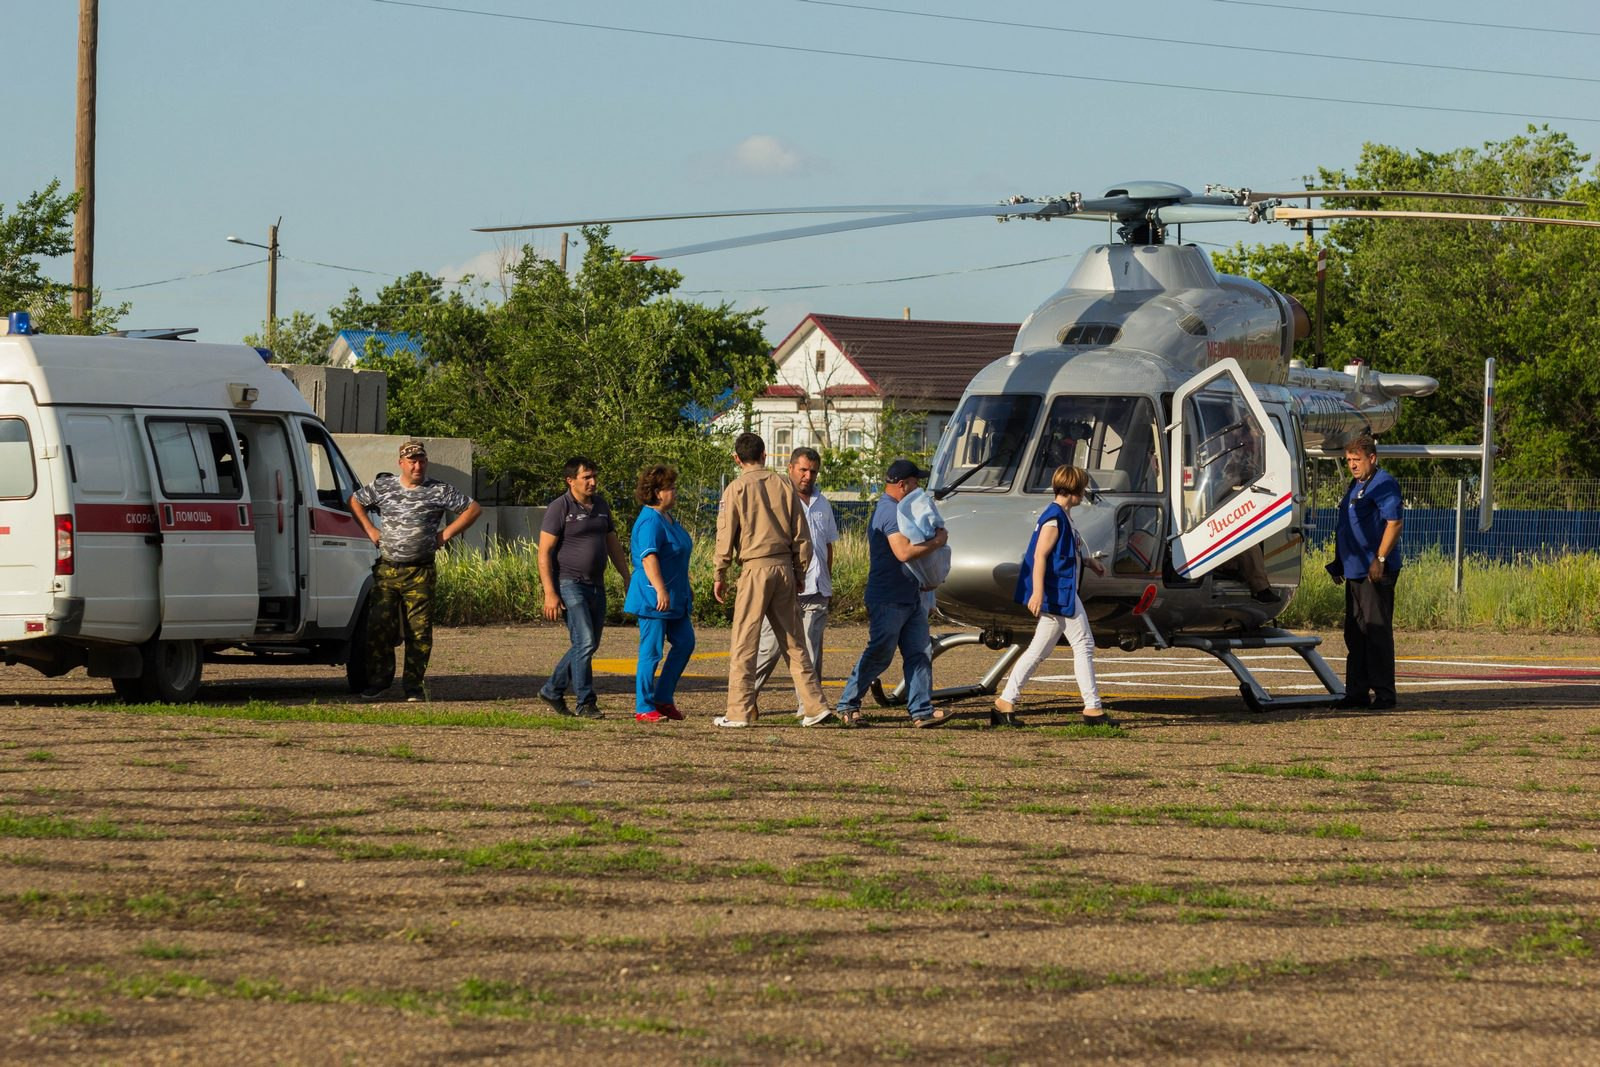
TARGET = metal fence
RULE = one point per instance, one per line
(1536, 518)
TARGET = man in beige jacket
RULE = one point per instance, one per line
(760, 520)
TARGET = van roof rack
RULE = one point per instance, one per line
(174, 333)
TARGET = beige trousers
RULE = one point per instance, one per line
(766, 591)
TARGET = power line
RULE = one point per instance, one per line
(186, 277)
(984, 68)
(1144, 39)
(335, 266)
(1409, 18)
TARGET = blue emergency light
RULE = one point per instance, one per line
(18, 322)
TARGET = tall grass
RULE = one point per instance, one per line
(1533, 594)
(1536, 593)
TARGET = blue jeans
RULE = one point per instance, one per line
(586, 618)
(651, 692)
(892, 626)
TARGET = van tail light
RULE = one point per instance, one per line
(64, 544)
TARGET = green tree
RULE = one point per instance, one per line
(1439, 297)
(604, 363)
(847, 469)
(300, 338)
(37, 228)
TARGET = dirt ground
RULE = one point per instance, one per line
(288, 876)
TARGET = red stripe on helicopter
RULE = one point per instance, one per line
(1272, 512)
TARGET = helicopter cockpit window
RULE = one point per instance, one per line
(1114, 438)
(1224, 451)
(985, 441)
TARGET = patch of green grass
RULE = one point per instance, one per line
(1458, 954)
(156, 950)
(40, 755)
(175, 766)
(196, 907)
(1369, 874)
(1426, 735)
(1336, 829)
(87, 1018)
(407, 715)
(1559, 938)
(54, 826)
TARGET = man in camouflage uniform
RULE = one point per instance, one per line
(412, 505)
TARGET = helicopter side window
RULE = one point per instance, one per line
(984, 443)
(1226, 452)
(1113, 437)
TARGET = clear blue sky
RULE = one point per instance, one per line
(382, 133)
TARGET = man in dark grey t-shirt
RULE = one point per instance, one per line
(575, 540)
(413, 507)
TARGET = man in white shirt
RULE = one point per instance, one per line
(816, 592)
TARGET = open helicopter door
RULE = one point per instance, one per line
(1236, 483)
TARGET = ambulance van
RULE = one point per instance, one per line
(164, 502)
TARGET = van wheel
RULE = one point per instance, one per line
(355, 654)
(171, 674)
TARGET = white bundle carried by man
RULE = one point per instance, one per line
(919, 519)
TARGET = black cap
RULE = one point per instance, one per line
(904, 468)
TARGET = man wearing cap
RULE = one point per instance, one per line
(897, 618)
(412, 506)
(760, 520)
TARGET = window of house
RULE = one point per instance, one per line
(822, 361)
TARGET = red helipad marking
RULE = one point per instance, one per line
(1511, 674)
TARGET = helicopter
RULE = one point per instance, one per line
(1175, 387)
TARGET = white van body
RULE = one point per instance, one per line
(161, 501)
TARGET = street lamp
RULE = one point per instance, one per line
(272, 276)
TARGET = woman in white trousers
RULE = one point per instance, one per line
(1048, 585)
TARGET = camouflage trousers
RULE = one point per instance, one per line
(402, 595)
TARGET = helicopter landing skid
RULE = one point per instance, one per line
(984, 686)
(1255, 697)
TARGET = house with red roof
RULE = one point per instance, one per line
(837, 373)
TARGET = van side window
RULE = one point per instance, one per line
(335, 482)
(195, 458)
(16, 460)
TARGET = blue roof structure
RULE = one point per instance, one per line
(357, 340)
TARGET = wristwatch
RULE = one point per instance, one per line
(1383, 559)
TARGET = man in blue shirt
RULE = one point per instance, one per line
(895, 610)
(1367, 560)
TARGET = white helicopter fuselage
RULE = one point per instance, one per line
(1198, 503)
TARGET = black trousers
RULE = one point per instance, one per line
(1369, 639)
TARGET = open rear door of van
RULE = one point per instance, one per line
(27, 518)
(207, 539)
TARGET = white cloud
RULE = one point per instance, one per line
(764, 155)
(493, 266)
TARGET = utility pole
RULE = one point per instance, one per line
(563, 253)
(272, 284)
(83, 225)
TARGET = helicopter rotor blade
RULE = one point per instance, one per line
(1024, 209)
(1250, 196)
(840, 209)
(1281, 213)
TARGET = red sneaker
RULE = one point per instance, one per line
(670, 711)
(647, 716)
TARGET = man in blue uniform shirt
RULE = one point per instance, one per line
(897, 618)
(1367, 561)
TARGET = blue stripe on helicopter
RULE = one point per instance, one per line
(1274, 510)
